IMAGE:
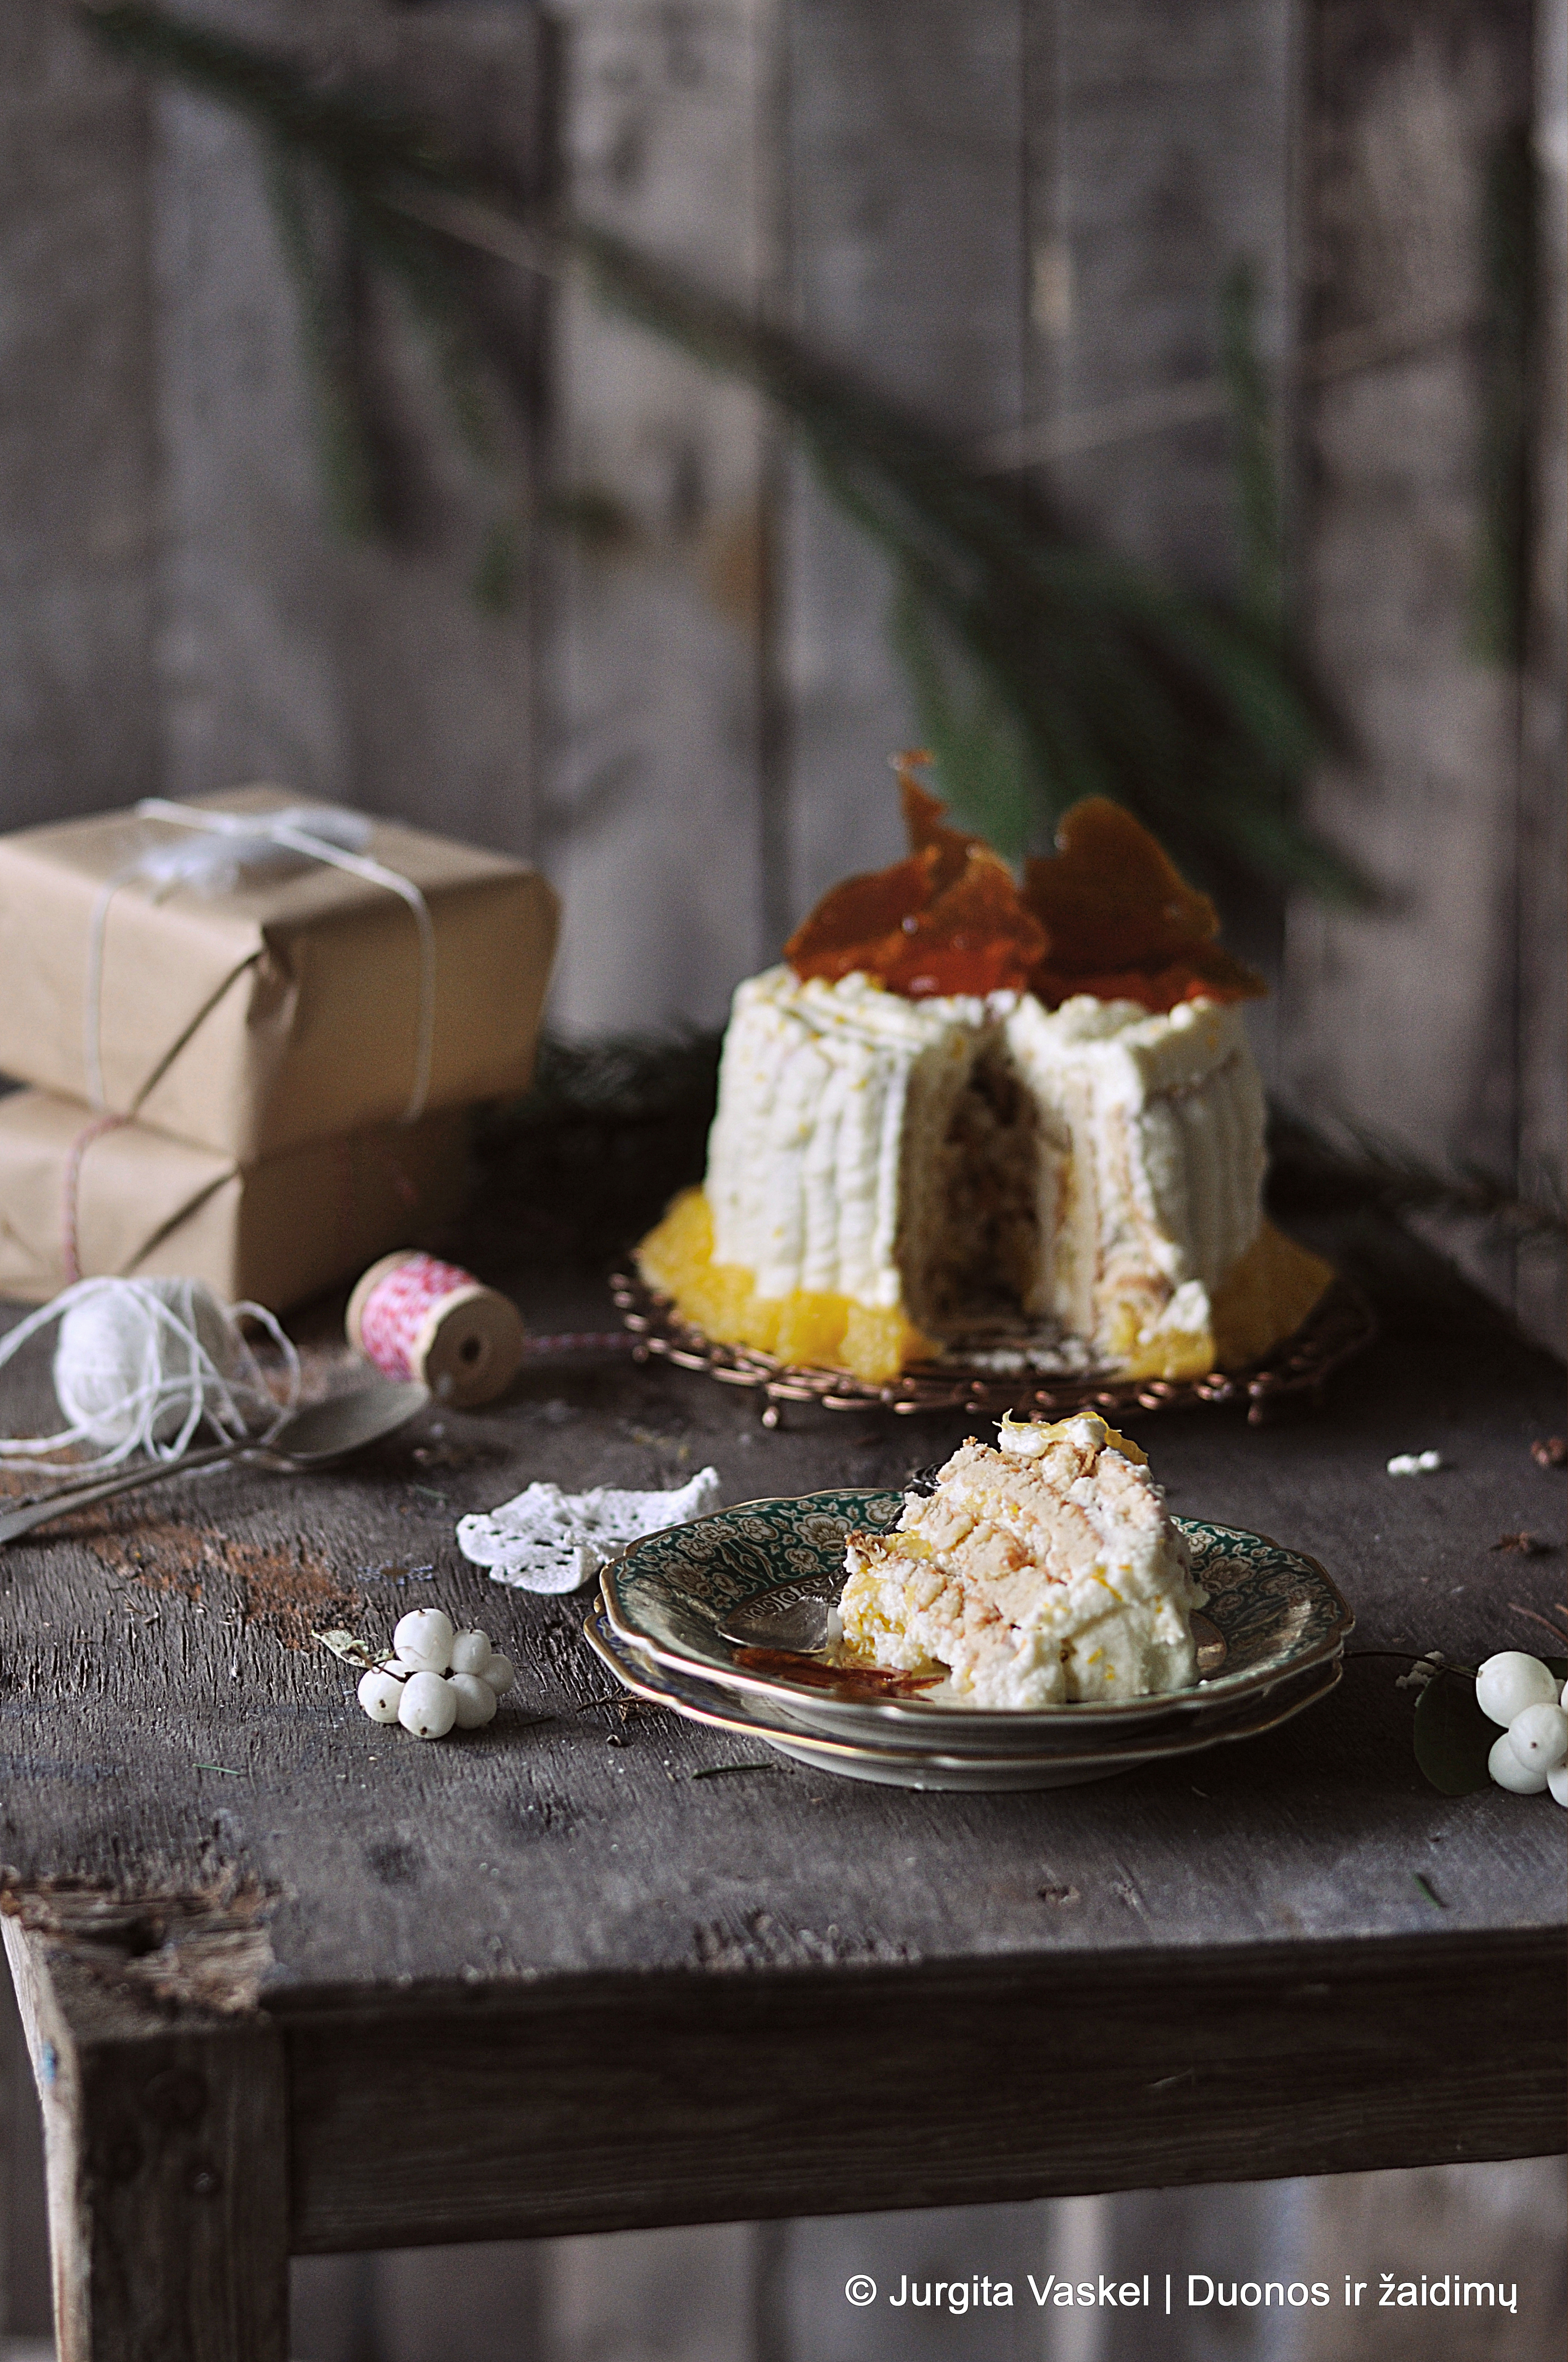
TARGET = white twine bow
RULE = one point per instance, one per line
(224, 847)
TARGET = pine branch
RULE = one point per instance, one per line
(1309, 1167)
(1252, 417)
(1110, 681)
(977, 757)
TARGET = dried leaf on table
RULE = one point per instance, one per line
(351, 1651)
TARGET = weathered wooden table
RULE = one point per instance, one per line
(294, 1982)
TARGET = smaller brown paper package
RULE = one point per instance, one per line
(137, 1205)
(273, 1000)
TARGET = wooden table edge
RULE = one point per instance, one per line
(295, 2004)
(192, 2147)
(676, 2096)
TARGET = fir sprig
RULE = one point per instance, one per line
(1110, 681)
(1253, 436)
(1309, 1167)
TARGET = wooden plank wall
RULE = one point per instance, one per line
(1016, 216)
(359, 669)
(79, 692)
(654, 820)
(1543, 925)
(1407, 114)
(1017, 219)
(903, 239)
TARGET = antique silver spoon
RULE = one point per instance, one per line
(310, 1437)
(801, 1626)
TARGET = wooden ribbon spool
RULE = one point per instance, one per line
(416, 1317)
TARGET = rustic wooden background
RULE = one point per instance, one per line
(1016, 215)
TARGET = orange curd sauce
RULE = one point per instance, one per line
(806, 1328)
(1263, 1298)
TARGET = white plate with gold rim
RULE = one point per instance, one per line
(906, 1767)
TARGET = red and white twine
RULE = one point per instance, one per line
(397, 1307)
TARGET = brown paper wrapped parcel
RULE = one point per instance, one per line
(286, 1007)
(142, 1206)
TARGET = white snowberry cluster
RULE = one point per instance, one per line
(437, 1678)
(1524, 1695)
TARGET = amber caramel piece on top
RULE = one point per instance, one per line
(1110, 896)
(948, 920)
(1108, 914)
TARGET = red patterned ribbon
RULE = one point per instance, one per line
(83, 1141)
(398, 1306)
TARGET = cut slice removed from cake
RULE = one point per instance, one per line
(1042, 1571)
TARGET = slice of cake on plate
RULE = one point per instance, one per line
(1040, 1572)
(963, 1102)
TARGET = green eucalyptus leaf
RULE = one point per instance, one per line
(1453, 1737)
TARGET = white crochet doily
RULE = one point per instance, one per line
(544, 1540)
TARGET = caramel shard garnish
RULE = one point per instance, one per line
(1108, 914)
(974, 937)
(1123, 922)
(1111, 896)
(948, 920)
(923, 818)
(853, 920)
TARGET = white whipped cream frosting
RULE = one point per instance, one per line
(833, 1100)
(807, 1157)
(1163, 1117)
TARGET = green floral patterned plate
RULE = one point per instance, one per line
(671, 1596)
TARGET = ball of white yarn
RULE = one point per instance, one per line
(140, 1365)
(144, 1358)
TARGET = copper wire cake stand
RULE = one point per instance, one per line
(1341, 1324)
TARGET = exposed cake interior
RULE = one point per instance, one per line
(1040, 1572)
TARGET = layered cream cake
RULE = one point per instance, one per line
(895, 1164)
(1148, 1171)
(1040, 1572)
